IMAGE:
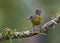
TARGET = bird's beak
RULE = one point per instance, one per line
(28, 18)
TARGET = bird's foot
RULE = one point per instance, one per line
(33, 30)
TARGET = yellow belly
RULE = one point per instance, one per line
(36, 22)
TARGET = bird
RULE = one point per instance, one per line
(36, 18)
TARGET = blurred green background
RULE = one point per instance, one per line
(14, 13)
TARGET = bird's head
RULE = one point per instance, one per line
(30, 18)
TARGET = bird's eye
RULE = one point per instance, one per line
(31, 17)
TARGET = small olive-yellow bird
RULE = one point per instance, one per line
(36, 18)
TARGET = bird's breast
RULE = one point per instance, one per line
(35, 22)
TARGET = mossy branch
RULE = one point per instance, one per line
(8, 33)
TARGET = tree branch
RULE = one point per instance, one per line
(8, 33)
